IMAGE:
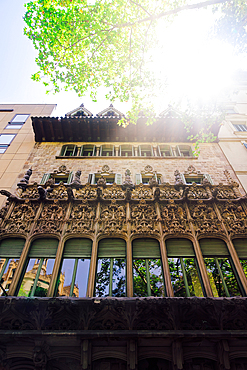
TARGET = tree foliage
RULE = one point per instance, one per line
(109, 43)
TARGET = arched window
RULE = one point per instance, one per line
(69, 150)
(147, 270)
(185, 278)
(36, 275)
(110, 276)
(10, 252)
(241, 249)
(222, 275)
(72, 280)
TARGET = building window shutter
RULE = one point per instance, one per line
(178, 151)
(241, 247)
(133, 151)
(159, 152)
(77, 248)
(138, 178)
(11, 247)
(140, 150)
(152, 150)
(179, 248)
(64, 149)
(91, 178)
(120, 151)
(183, 178)
(208, 177)
(81, 151)
(100, 151)
(70, 178)
(146, 248)
(213, 247)
(118, 178)
(115, 248)
(113, 150)
(94, 151)
(45, 177)
(43, 248)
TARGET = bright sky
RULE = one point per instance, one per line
(195, 66)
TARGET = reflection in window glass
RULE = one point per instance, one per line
(222, 279)
(110, 278)
(73, 277)
(148, 278)
(184, 277)
(7, 270)
(6, 139)
(37, 278)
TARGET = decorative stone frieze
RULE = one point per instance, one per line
(174, 219)
(144, 218)
(113, 218)
(142, 192)
(82, 218)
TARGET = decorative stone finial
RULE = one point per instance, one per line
(25, 180)
(128, 184)
(76, 183)
(178, 178)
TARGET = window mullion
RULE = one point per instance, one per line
(37, 277)
(111, 277)
(185, 278)
(73, 277)
(148, 278)
(4, 267)
(222, 277)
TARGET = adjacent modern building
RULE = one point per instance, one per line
(17, 139)
(121, 249)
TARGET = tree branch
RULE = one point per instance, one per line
(140, 6)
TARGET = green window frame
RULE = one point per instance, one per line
(146, 151)
(106, 150)
(87, 151)
(165, 151)
(69, 150)
(184, 151)
(126, 151)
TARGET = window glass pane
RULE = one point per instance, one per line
(15, 127)
(7, 270)
(185, 279)
(3, 148)
(20, 118)
(31, 286)
(77, 270)
(148, 278)
(222, 279)
(110, 278)
(6, 139)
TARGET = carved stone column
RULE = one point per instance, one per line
(59, 255)
(93, 263)
(129, 267)
(163, 253)
(177, 355)
(199, 257)
(86, 354)
(232, 252)
(132, 354)
(24, 255)
(223, 355)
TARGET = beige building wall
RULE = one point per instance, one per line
(45, 158)
(232, 140)
(15, 156)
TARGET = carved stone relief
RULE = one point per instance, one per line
(224, 192)
(168, 191)
(197, 192)
(113, 192)
(31, 192)
(82, 218)
(144, 218)
(205, 219)
(24, 212)
(58, 192)
(86, 192)
(53, 211)
(142, 192)
(234, 217)
(174, 219)
(113, 218)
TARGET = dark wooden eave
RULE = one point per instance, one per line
(94, 129)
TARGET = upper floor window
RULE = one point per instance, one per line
(107, 150)
(240, 127)
(165, 151)
(69, 151)
(5, 141)
(18, 121)
(110, 178)
(184, 151)
(146, 151)
(126, 151)
(87, 151)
